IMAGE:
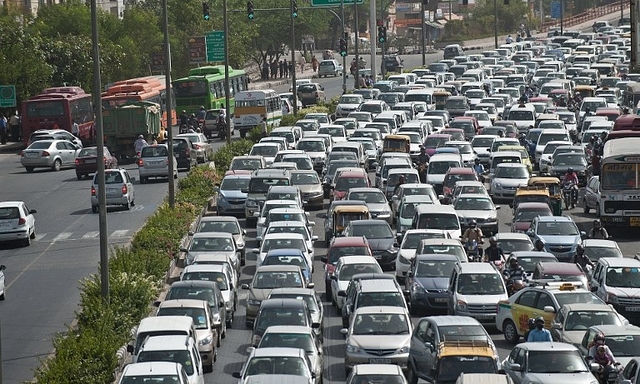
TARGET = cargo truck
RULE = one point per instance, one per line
(122, 126)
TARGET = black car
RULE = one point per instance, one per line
(279, 311)
(427, 281)
(207, 291)
(185, 153)
(563, 161)
(392, 63)
(380, 237)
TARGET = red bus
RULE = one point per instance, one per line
(148, 88)
(56, 108)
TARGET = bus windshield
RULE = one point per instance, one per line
(618, 176)
(190, 88)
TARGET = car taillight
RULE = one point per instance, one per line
(45, 154)
(77, 161)
(124, 189)
(140, 163)
(93, 191)
(22, 221)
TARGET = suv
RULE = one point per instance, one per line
(453, 50)
(616, 280)
(178, 349)
(150, 372)
(154, 162)
(261, 181)
(185, 153)
(330, 67)
(119, 187)
(311, 93)
(559, 234)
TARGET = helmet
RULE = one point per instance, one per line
(140, 137)
(513, 260)
(523, 135)
(570, 170)
(473, 223)
(493, 240)
(531, 323)
(539, 319)
(579, 249)
(401, 179)
(477, 161)
(202, 107)
(183, 111)
(193, 115)
(599, 337)
(597, 223)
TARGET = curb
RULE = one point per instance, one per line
(12, 147)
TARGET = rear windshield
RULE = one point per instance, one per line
(154, 152)
(261, 185)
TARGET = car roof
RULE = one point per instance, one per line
(218, 218)
(511, 236)
(284, 252)
(209, 235)
(299, 329)
(367, 222)
(445, 320)
(277, 351)
(348, 241)
(357, 260)
(277, 268)
(436, 257)
(622, 330)
(270, 236)
(280, 302)
(551, 256)
(442, 242)
(555, 219)
(460, 171)
(379, 285)
(559, 267)
(204, 268)
(599, 243)
(588, 307)
(510, 165)
(152, 368)
(532, 205)
(620, 262)
(183, 303)
(294, 291)
(382, 309)
(377, 369)
(547, 346)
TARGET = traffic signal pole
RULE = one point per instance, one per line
(344, 57)
(357, 75)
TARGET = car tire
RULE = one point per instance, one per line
(57, 164)
(412, 378)
(127, 206)
(2, 297)
(33, 234)
(143, 180)
(223, 335)
(209, 368)
(29, 169)
(79, 176)
(510, 332)
(175, 176)
(327, 290)
(585, 207)
(94, 208)
(27, 242)
(230, 321)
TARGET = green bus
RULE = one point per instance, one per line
(205, 87)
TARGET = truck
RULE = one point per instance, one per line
(123, 124)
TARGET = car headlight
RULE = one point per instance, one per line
(206, 341)
(222, 198)
(252, 203)
(417, 289)
(491, 220)
(240, 245)
(611, 298)
(319, 159)
(384, 214)
(353, 349)
(461, 305)
(497, 185)
(254, 302)
(404, 349)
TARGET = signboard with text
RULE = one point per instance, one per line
(197, 50)
(215, 46)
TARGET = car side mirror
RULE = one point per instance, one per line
(244, 286)
(130, 348)
(549, 309)
(185, 250)
(557, 326)
(594, 289)
(583, 235)
(236, 375)
(190, 233)
(324, 259)
(33, 211)
(244, 190)
(342, 293)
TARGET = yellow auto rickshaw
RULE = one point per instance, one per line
(396, 143)
(535, 193)
(554, 187)
(343, 214)
(585, 90)
(440, 98)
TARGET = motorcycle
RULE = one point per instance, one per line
(607, 374)
(499, 265)
(569, 194)
(473, 250)
(222, 130)
(514, 286)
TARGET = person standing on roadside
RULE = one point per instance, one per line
(14, 124)
(3, 129)
(75, 129)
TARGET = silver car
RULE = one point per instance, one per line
(119, 189)
(154, 162)
(219, 243)
(54, 154)
(223, 277)
(227, 224)
(376, 201)
(204, 150)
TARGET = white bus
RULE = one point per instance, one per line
(251, 107)
(620, 182)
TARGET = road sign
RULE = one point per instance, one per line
(157, 59)
(215, 46)
(197, 50)
(7, 96)
(333, 3)
(556, 9)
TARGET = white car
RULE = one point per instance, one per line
(348, 103)
(483, 117)
(17, 222)
(346, 267)
(282, 240)
(507, 178)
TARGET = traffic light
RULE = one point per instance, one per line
(343, 47)
(205, 11)
(250, 14)
(382, 34)
(294, 9)
(380, 23)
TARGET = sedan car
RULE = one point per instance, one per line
(314, 304)
(375, 199)
(348, 103)
(479, 208)
(87, 161)
(202, 147)
(119, 189)
(185, 153)
(381, 239)
(220, 243)
(427, 282)
(17, 222)
(154, 162)
(560, 163)
(559, 234)
(282, 363)
(598, 248)
(346, 267)
(311, 188)
(378, 335)
(513, 242)
(546, 362)
(225, 224)
(230, 198)
(507, 178)
(223, 277)
(573, 320)
(54, 154)
(529, 259)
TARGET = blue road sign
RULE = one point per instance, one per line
(556, 9)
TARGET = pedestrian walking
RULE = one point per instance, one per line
(3, 129)
(281, 68)
(265, 70)
(14, 126)
(290, 68)
(274, 69)
(302, 62)
(314, 64)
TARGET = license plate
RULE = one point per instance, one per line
(33, 154)
(484, 317)
(377, 257)
(634, 221)
(112, 190)
(5, 225)
(441, 300)
(632, 309)
(90, 161)
(379, 361)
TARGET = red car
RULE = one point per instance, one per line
(454, 175)
(87, 161)
(524, 214)
(343, 246)
(348, 180)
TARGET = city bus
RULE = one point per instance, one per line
(619, 182)
(148, 88)
(205, 87)
(57, 108)
(253, 106)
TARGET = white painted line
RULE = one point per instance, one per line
(120, 233)
(91, 235)
(40, 236)
(62, 236)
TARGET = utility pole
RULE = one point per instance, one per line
(225, 21)
(634, 35)
(372, 41)
(495, 23)
(422, 32)
(344, 58)
(356, 46)
(293, 59)
(561, 17)
(382, 64)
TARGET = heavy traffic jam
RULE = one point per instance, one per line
(407, 176)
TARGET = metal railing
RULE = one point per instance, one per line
(591, 14)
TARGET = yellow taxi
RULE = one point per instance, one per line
(519, 148)
(531, 302)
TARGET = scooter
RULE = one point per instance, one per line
(473, 250)
(607, 374)
(514, 286)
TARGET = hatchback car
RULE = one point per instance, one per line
(312, 93)
(154, 162)
(222, 276)
(380, 237)
(526, 212)
(266, 362)
(119, 189)
(17, 222)
(54, 154)
(281, 311)
(573, 320)
(185, 153)
(87, 161)
(230, 198)
(225, 224)
(591, 199)
(329, 68)
(201, 145)
(427, 281)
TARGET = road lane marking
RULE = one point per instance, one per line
(62, 236)
(120, 233)
(91, 235)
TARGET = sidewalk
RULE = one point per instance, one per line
(11, 147)
(270, 84)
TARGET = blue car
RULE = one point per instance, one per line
(289, 256)
(427, 282)
(560, 235)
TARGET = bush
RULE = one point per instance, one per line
(292, 119)
(226, 153)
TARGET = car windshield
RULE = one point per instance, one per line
(264, 150)
(412, 239)
(370, 299)
(88, 152)
(199, 315)
(269, 244)
(234, 183)
(464, 149)
(482, 142)
(394, 178)
(515, 245)
(219, 226)
(574, 297)
(624, 345)
(310, 178)
(530, 214)
(596, 253)
(272, 280)
(569, 159)
(288, 340)
(450, 367)
(547, 137)
(623, 277)
(334, 165)
(557, 229)
(582, 320)
(268, 317)
(409, 209)
(441, 167)
(245, 164)
(474, 203)
(345, 183)
(150, 378)
(435, 142)
(439, 221)
(380, 324)
(556, 362)
(443, 249)
(217, 277)
(211, 244)
(348, 270)
(368, 197)
(179, 356)
(451, 179)
(432, 268)
(455, 104)
(309, 299)
(261, 185)
(372, 231)
(278, 365)
(311, 146)
(349, 99)
(371, 107)
(511, 173)
(299, 229)
(466, 332)
(481, 284)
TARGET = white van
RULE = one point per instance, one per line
(425, 95)
(524, 115)
(440, 217)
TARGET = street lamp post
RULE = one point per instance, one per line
(495, 23)
(225, 21)
(168, 108)
(422, 31)
(344, 58)
(293, 60)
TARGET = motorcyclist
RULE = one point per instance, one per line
(531, 323)
(570, 179)
(539, 333)
(184, 118)
(581, 259)
(600, 353)
(562, 102)
(423, 157)
(139, 144)
(478, 168)
(599, 341)
(193, 122)
(509, 39)
(522, 138)
(202, 113)
(221, 123)
(538, 246)
(473, 233)
(598, 231)
(493, 252)
(512, 273)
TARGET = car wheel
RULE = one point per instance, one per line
(175, 175)
(327, 289)
(57, 164)
(243, 259)
(27, 241)
(127, 206)
(94, 208)
(585, 207)
(510, 332)
(143, 180)
(224, 330)
(33, 234)
(230, 321)
(79, 176)
(2, 297)
(412, 378)
(29, 169)
(209, 368)
(219, 341)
